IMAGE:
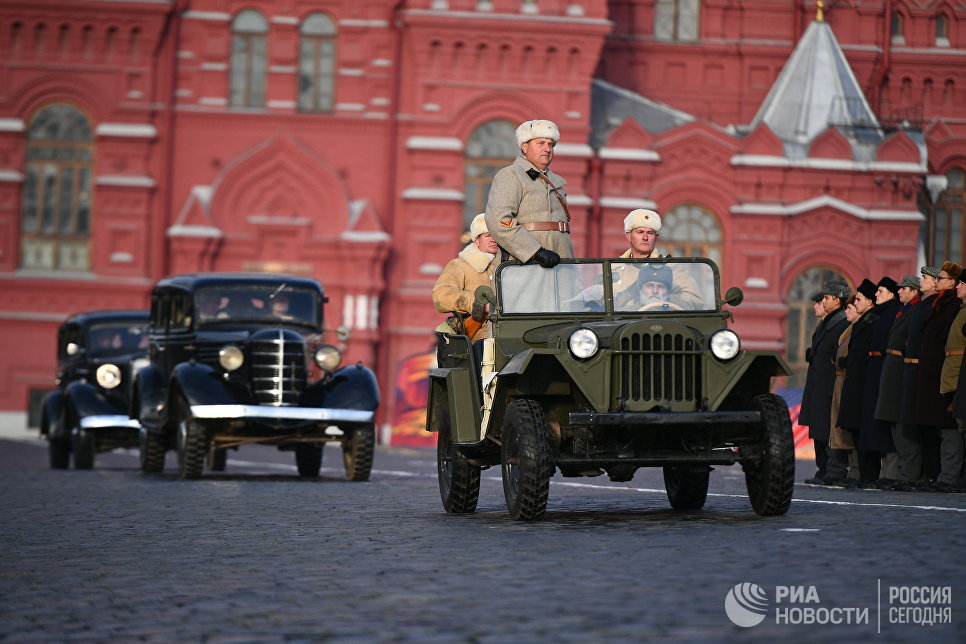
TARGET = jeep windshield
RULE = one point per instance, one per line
(609, 285)
(269, 303)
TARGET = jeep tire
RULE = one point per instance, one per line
(308, 459)
(192, 447)
(459, 482)
(771, 481)
(357, 453)
(687, 488)
(526, 460)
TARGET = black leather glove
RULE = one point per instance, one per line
(546, 258)
(479, 311)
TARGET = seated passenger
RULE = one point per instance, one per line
(279, 306)
(654, 282)
(212, 305)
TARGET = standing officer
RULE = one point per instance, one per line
(526, 211)
(820, 381)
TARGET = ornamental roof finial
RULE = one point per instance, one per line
(820, 11)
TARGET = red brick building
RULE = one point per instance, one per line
(353, 142)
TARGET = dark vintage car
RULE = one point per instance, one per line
(239, 358)
(605, 366)
(97, 354)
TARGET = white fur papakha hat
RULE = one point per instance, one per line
(537, 130)
(642, 218)
(478, 226)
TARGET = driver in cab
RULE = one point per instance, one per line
(642, 227)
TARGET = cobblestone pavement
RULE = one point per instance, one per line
(255, 554)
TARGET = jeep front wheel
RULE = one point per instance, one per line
(687, 489)
(459, 482)
(770, 481)
(308, 459)
(192, 447)
(527, 461)
(357, 453)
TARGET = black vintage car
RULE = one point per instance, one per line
(239, 358)
(97, 354)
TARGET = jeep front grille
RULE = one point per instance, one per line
(278, 369)
(658, 368)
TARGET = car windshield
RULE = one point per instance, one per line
(117, 339)
(577, 286)
(257, 303)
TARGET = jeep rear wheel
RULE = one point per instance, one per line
(770, 481)
(687, 488)
(308, 459)
(82, 444)
(459, 482)
(527, 460)
(59, 453)
(357, 453)
(150, 451)
(192, 447)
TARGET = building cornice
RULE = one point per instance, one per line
(870, 214)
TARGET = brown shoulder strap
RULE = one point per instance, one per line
(563, 202)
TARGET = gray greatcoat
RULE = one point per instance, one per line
(516, 198)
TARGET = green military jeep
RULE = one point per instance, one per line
(608, 365)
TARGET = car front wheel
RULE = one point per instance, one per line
(357, 453)
(83, 448)
(308, 460)
(527, 460)
(771, 480)
(192, 447)
(59, 453)
(150, 451)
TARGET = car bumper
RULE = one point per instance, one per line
(689, 418)
(108, 420)
(256, 412)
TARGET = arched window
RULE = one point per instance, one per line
(690, 230)
(942, 30)
(944, 220)
(676, 19)
(249, 42)
(492, 146)
(802, 320)
(897, 29)
(317, 63)
(56, 200)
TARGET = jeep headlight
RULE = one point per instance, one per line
(583, 343)
(108, 376)
(327, 357)
(231, 357)
(725, 344)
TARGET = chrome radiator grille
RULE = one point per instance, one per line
(278, 368)
(658, 368)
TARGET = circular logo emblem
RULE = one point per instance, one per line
(746, 604)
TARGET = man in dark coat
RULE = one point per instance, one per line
(887, 408)
(819, 383)
(923, 461)
(932, 408)
(959, 409)
(852, 407)
(877, 433)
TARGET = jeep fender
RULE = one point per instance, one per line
(52, 419)
(148, 400)
(351, 387)
(752, 372)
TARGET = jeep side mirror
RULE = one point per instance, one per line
(733, 296)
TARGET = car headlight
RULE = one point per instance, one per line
(327, 357)
(108, 376)
(583, 343)
(725, 344)
(231, 357)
